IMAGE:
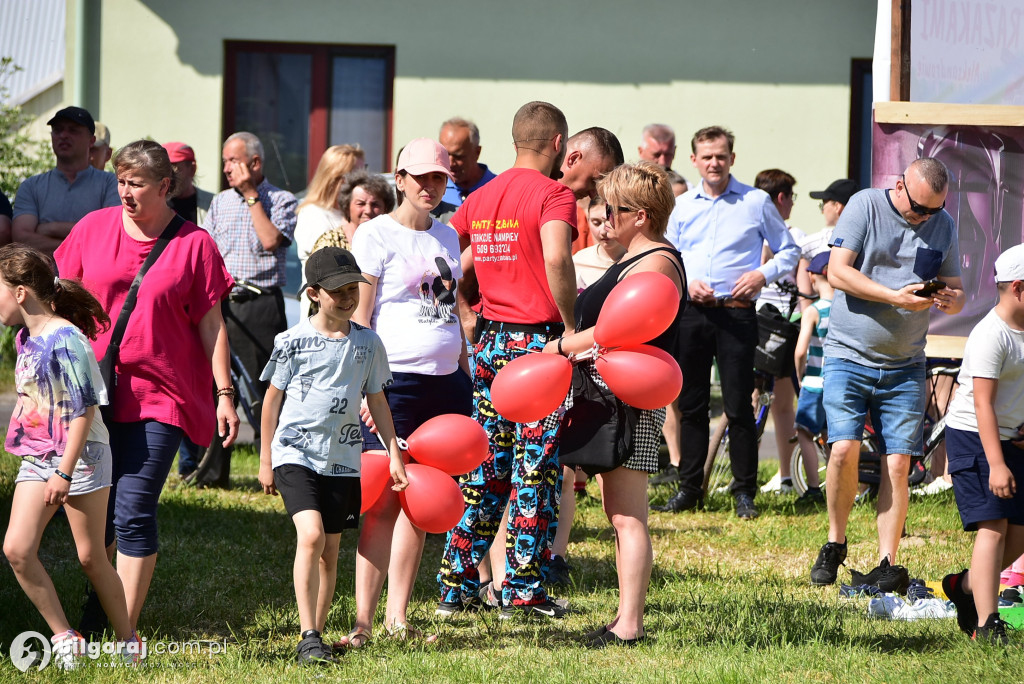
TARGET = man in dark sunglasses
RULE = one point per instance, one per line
(886, 246)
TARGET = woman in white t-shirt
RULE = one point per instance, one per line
(412, 264)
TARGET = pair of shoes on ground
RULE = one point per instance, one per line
(602, 637)
(777, 485)
(887, 577)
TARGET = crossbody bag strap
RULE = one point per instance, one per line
(129, 303)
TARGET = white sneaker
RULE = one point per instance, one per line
(775, 486)
(68, 650)
(937, 486)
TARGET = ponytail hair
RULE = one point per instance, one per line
(30, 268)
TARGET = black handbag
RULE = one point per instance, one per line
(108, 364)
(598, 431)
(776, 343)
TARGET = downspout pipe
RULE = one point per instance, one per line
(81, 53)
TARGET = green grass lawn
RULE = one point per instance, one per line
(729, 601)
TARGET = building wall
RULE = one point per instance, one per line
(776, 73)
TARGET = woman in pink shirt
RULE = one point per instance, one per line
(175, 346)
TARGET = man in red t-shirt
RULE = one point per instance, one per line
(516, 233)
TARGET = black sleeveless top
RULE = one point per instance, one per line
(589, 303)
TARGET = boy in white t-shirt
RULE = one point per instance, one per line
(984, 444)
(322, 367)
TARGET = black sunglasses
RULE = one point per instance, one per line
(919, 209)
(610, 209)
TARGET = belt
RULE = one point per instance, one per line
(245, 295)
(530, 328)
(728, 303)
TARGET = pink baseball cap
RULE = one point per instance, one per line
(179, 152)
(424, 155)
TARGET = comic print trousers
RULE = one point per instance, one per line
(521, 471)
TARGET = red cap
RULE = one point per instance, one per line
(179, 152)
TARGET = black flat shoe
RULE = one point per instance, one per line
(600, 631)
(610, 638)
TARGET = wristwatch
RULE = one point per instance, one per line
(249, 201)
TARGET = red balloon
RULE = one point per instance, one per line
(374, 475)
(433, 501)
(642, 376)
(531, 387)
(452, 443)
(637, 310)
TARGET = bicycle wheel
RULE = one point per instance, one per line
(718, 466)
(799, 470)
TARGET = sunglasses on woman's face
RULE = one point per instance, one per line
(920, 209)
(609, 210)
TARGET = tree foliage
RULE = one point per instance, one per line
(20, 155)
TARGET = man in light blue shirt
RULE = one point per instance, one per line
(720, 227)
(461, 138)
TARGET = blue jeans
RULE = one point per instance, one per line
(894, 398)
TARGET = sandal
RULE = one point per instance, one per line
(405, 632)
(357, 638)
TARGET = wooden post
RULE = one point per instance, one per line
(899, 57)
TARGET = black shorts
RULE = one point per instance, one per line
(337, 499)
(970, 471)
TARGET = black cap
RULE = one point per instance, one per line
(841, 191)
(332, 267)
(76, 115)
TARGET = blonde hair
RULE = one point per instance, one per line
(336, 162)
(643, 185)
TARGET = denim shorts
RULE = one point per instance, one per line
(810, 413)
(893, 397)
(91, 473)
(970, 471)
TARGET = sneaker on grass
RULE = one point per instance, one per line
(68, 650)
(549, 608)
(993, 631)
(777, 485)
(825, 569)
(889, 578)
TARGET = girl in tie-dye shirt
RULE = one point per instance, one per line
(61, 439)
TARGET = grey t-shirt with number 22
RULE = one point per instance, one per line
(893, 253)
(323, 379)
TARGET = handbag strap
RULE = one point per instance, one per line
(129, 302)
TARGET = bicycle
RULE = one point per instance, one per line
(246, 398)
(870, 466)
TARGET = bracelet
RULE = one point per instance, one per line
(63, 475)
(226, 392)
(560, 352)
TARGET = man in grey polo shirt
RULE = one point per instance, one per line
(886, 246)
(49, 204)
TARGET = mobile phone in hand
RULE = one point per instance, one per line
(930, 288)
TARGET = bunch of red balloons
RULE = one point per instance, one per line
(637, 310)
(442, 448)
